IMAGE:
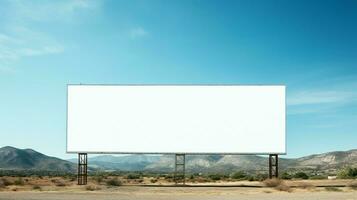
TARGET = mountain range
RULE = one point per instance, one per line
(27, 159)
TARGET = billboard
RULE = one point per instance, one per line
(191, 119)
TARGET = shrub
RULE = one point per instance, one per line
(36, 187)
(318, 177)
(251, 178)
(19, 181)
(133, 176)
(169, 176)
(238, 175)
(5, 182)
(333, 189)
(301, 175)
(92, 188)
(283, 187)
(261, 177)
(153, 180)
(278, 184)
(347, 173)
(286, 176)
(114, 182)
(98, 179)
(60, 183)
(274, 182)
(215, 177)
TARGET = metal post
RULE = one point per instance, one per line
(273, 166)
(82, 169)
(179, 176)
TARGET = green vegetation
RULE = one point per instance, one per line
(239, 175)
(133, 176)
(19, 181)
(318, 177)
(217, 177)
(347, 173)
(286, 176)
(301, 175)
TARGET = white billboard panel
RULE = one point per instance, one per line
(223, 119)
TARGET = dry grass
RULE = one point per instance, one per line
(353, 185)
(19, 181)
(114, 182)
(92, 187)
(333, 189)
(305, 185)
(273, 182)
(36, 187)
(59, 183)
(277, 184)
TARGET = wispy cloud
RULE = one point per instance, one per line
(137, 32)
(48, 10)
(20, 38)
(322, 99)
(26, 43)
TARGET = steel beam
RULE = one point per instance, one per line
(273, 166)
(179, 176)
(82, 169)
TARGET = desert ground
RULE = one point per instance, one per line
(58, 188)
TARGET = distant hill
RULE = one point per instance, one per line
(27, 159)
(326, 162)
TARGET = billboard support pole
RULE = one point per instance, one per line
(273, 166)
(179, 176)
(82, 168)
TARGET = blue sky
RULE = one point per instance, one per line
(310, 46)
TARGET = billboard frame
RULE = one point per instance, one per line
(175, 153)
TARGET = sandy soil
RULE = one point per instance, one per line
(187, 193)
(58, 188)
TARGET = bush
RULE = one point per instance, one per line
(261, 177)
(153, 180)
(286, 176)
(59, 183)
(278, 184)
(19, 181)
(36, 187)
(215, 177)
(133, 176)
(92, 188)
(98, 179)
(238, 175)
(347, 173)
(5, 182)
(283, 187)
(318, 177)
(301, 175)
(274, 182)
(114, 182)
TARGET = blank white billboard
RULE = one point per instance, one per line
(196, 119)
